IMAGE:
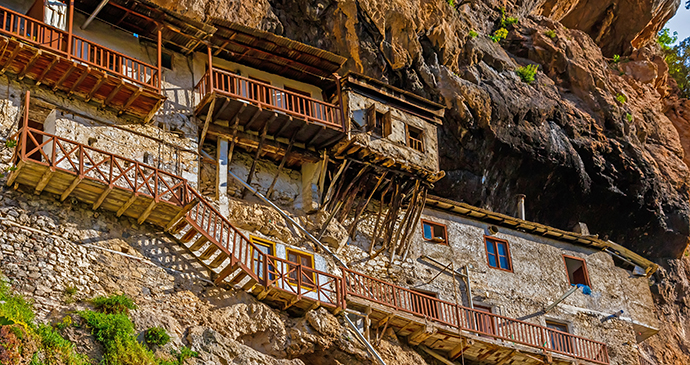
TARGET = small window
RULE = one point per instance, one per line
(577, 270)
(560, 341)
(167, 60)
(266, 247)
(498, 254)
(434, 232)
(415, 138)
(307, 262)
(378, 122)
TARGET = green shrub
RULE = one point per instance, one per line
(616, 58)
(10, 143)
(186, 353)
(451, 3)
(116, 332)
(57, 349)
(527, 73)
(114, 304)
(499, 35)
(508, 22)
(473, 34)
(551, 34)
(621, 98)
(157, 336)
(628, 117)
(14, 308)
(70, 290)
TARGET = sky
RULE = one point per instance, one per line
(680, 23)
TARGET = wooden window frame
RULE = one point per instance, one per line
(386, 124)
(313, 267)
(420, 140)
(498, 261)
(584, 265)
(267, 243)
(565, 347)
(431, 223)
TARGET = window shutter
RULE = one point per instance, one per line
(371, 117)
(387, 124)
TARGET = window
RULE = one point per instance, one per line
(307, 261)
(577, 270)
(498, 254)
(434, 232)
(266, 247)
(414, 138)
(378, 122)
(167, 60)
(483, 322)
(560, 341)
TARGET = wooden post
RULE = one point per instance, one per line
(69, 29)
(210, 68)
(160, 58)
(343, 120)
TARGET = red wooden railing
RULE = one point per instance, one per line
(57, 40)
(471, 320)
(270, 97)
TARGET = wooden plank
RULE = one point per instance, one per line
(258, 153)
(280, 166)
(436, 355)
(29, 65)
(45, 72)
(421, 335)
(147, 211)
(79, 80)
(45, 179)
(13, 176)
(218, 260)
(198, 244)
(504, 360)
(253, 119)
(492, 350)
(181, 214)
(460, 349)
(129, 101)
(71, 187)
(126, 205)
(114, 92)
(207, 122)
(101, 198)
(102, 79)
(210, 250)
(64, 76)
(14, 54)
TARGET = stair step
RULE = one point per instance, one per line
(209, 252)
(179, 227)
(236, 280)
(189, 235)
(198, 244)
(249, 284)
(218, 260)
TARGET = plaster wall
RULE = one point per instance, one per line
(395, 144)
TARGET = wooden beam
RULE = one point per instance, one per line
(421, 335)
(258, 152)
(101, 198)
(535, 358)
(492, 350)
(114, 92)
(45, 179)
(79, 80)
(14, 174)
(504, 360)
(460, 349)
(280, 166)
(98, 85)
(13, 55)
(64, 77)
(284, 126)
(224, 106)
(126, 205)
(45, 72)
(181, 214)
(147, 212)
(131, 99)
(207, 121)
(29, 65)
(71, 187)
(436, 355)
(253, 119)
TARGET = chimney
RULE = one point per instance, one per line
(521, 206)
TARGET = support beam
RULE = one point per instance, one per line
(13, 176)
(488, 353)
(436, 355)
(258, 152)
(460, 349)
(504, 360)
(126, 205)
(64, 77)
(114, 92)
(207, 122)
(79, 80)
(254, 118)
(101, 198)
(43, 74)
(181, 214)
(95, 88)
(45, 179)
(94, 14)
(147, 212)
(280, 166)
(29, 65)
(421, 335)
(71, 188)
(14, 54)
(131, 99)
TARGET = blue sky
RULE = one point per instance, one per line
(680, 23)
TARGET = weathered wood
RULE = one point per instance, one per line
(64, 77)
(114, 92)
(126, 205)
(14, 174)
(436, 355)
(207, 122)
(459, 350)
(71, 188)
(95, 88)
(421, 335)
(47, 70)
(280, 166)
(101, 198)
(492, 350)
(504, 360)
(130, 100)
(29, 65)
(13, 55)
(144, 215)
(181, 213)
(79, 80)
(45, 179)
(258, 153)
(353, 226)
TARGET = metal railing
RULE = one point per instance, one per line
(472, 320)
(54, 39)
(270, 97)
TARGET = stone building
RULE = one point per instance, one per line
(149, 115)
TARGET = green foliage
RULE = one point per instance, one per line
(57, 349)
(551, 34)
(66, 322)
(114, 304)
(157, 336)
(527, 73)
(621, 98)
(509, 21)
(677, 58)
(616, 58)
(10, 143)
(628, 117)
(451, 3)
(473, 34)
(70, 290)
(14, 307)
(499, 35)
(116, 332)
(180, 356)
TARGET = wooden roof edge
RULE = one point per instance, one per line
(412, 99)
(573, 237)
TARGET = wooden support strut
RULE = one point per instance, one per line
(95, 88)
(71, 187)
(79, 80)
(101, 198)
(209, 116)
(126, 205)
(64, 77)
(47, 70)
(29, 65)
(189, 206)
(45, 179)
(258, 151)
(13, 176)
(280, 166)
(142, 218)
(14, 54)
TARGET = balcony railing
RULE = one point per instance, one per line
(471, 320)
(270, 97)
(59, 41)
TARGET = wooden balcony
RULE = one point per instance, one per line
(254, 107)
(75, 66)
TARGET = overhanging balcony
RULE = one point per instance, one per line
(253, 107)
(76, 66)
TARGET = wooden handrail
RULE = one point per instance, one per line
(57, 40)
(271, 97)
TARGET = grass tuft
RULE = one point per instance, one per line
(114, 304)
(527, 73)
(157, 336)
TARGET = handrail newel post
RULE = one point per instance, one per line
(69, 29)
(210, 69)
(160, 58)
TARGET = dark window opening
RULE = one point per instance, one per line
(577, 270)
(415, 138)
(167, 60)
(434, 232)
(482, 321)
(422, 305)
(378, 122)
(498, 254)
(560, 341)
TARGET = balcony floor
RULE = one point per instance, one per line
(252, 118)
(74, 78)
